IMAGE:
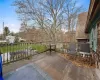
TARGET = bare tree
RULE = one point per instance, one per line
(72, 11)
(49, 15)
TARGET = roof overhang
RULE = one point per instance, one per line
(82, 38)
(92, 14)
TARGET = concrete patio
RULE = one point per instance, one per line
(27, 72)
(49, 67)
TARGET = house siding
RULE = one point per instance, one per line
(98, 33)
(80, 27)
(93, 27)
(93, 38)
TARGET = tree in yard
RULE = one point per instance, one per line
(12, 33)
(23, 27)
(72, 11)
(16, 39)
(1, 37)
(49, 15)
(6, 31)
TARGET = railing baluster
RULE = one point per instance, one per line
(15, 57)
(22, 51)
(19, 51)
(30, 49)
(13, 52)
(7, 53)
(10, 51)
(27, 49)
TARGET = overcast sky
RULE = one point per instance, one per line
(8, 15)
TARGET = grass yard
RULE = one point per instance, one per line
(39, 48)
(17, 47)
(12, 48)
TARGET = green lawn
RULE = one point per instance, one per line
(40, 48)
(14, 48)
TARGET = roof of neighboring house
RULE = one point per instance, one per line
(80, 28)
(3, 41)
(93, 14)
(10, 37)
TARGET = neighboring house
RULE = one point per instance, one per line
(93, 24)
(70, 37)
(59, 45)
(10, 39)
(32, 35)
(39, 35)
(80, 27)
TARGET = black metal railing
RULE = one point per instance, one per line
(17, 51)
